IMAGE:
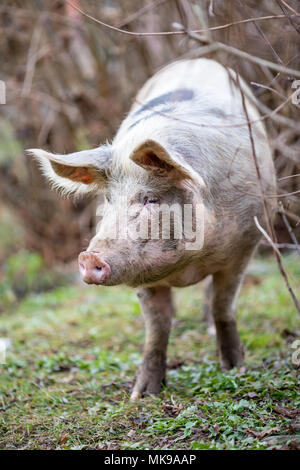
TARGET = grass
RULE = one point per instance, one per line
(75, 350)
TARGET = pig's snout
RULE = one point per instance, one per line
(92, 269)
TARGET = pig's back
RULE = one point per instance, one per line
(201, 77)
(194, 109)
(198, 91)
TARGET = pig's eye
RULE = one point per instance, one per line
(150, 200)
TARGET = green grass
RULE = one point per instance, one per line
(75, 351)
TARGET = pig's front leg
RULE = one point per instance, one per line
(157, 307)
(225, 289)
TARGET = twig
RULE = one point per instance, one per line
(255, 159)
(288, 227)
(246, 55)
(280, 2)
(289, 7)
(140, 12)
(267, 237)
(290, 176)
(256, 60)
(267, 216)
(282, 246)
(293, 216)
(274, 115)
(31, 60)
(260, 31)
(266, 87)
(278, 257)
(284, 194)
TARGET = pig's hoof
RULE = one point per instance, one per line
(147, 384)
(232, 357)
(135, 396)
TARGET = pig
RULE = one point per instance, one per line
(185, 142)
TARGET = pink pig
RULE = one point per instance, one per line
(184, 145)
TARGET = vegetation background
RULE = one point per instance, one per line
(69, 83)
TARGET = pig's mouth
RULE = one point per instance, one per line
(136, 277)
(94, 270)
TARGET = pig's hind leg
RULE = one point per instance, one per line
(157, 307)
(207, 306)
(226, 286)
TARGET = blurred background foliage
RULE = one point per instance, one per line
(70, 82)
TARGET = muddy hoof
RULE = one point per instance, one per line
(148, 383)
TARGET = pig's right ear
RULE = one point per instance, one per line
(75, 173)
(164, 160)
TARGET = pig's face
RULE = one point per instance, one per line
(146, 219)
(140, 232)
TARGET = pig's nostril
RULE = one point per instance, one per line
(98, 268)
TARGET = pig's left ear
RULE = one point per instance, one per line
(75, 173)
(163, 161)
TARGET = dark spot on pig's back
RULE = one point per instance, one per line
(180, 94)
(161, 112)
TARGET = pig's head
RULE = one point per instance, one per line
(141, 237)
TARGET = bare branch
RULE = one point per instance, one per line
(256, 60)
(289, 7)
(290, 176)
(267, 237)
(170, 33)
(280, 2)
(282, 246)
(266, 87)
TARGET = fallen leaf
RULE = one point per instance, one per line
(263, 433)
(287, 412)
(172, 409)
